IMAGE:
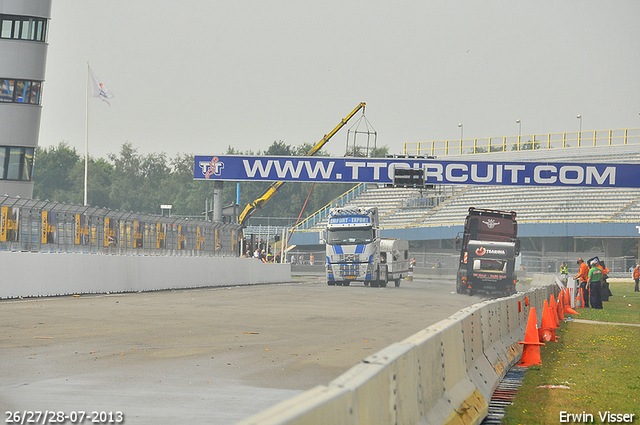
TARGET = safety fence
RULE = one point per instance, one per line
(618, 137)
(531, 262)
(33, 225)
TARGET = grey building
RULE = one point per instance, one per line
(24, 26)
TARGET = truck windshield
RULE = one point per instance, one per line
(349, 236)
(490, 265)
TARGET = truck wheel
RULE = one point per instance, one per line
(470, 292)
(331, 283)
(346, 283)
(366, 284)
(397, 281)
(374, 283)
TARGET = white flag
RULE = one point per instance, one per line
(98, 89)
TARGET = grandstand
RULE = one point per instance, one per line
(448, 205)
(544, 212)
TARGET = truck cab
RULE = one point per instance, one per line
(488, 253)
(353, 247)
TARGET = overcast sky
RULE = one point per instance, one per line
(201, 75)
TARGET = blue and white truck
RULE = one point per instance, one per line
(353, 249)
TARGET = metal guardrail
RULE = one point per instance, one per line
(32, 225)
(323, 212)
(617, 137)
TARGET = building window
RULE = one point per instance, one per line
(16, 163)
(23, 28)
(20, 91)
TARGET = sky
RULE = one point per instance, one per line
(197, 77)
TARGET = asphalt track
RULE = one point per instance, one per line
(214, 355)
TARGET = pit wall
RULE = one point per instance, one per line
(37, 274)
(444, 374)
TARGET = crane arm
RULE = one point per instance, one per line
(326, 137)
(273, 188)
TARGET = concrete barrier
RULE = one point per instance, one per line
(37, 274)
(444, 374)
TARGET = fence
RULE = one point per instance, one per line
(33, 225)
(524, 142)
(532, 262)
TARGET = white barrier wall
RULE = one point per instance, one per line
(444, 374)
(24, 274)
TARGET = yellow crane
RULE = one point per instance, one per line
(273, 188)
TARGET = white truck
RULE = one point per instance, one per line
(395, 254)
(356, 252)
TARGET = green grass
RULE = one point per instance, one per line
(600, 364)
(617, 309)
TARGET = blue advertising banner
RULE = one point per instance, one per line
(381, 170)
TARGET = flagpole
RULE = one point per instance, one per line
(86, 139)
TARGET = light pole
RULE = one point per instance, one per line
(580, 131)
(461, 131)
(519, 128)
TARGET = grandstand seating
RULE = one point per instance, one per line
(532, 203)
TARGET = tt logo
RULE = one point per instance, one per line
(213, 167)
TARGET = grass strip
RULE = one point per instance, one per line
(599, 363)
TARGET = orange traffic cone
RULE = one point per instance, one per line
(554, 311)
(560, 308)
(579, 299)
(567, 297)
(531, 350)
(567, 304)
(547, 330)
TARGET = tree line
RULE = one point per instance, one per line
(131, 181)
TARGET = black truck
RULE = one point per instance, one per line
(488, 253)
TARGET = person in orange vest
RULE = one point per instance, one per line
(636, 277)
(583, 275)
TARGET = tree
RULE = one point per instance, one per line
(52, 173)
(99, 173)
(380, 152)
(527, 146)
(279, 148)
(127, 182)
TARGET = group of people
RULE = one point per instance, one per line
(301, 260)
(593, 282)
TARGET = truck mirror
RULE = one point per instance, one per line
(322, 237)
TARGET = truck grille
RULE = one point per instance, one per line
(349, 270)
